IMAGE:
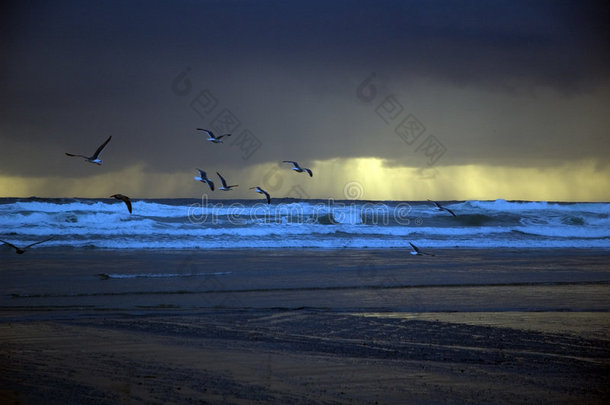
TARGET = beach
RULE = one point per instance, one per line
(380, 326)
(305, 202)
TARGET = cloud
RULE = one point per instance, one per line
(371, 178)
(136, 181)
(340, 179)
(501, 84)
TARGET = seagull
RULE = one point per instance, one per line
(96, 156)
(298, 168)
(123, 198)
(211, 137)
(261, 191)
(204, 179)
(21, 251)
(224, 184)
(417, 252)
(440, 207)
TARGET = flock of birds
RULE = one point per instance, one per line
(95, 159)
(203, 177)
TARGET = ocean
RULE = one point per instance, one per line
(290, 223)
(311, 253)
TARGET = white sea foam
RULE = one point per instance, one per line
(162, 275)
(186, 224)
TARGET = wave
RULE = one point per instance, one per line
(192, 224)
(107, 276)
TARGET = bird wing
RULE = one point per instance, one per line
(224, 183)
(437, 204)
(10, 244)
(123, 198)
(36, 243)
(101, 148)
(201, 173)
(73, 155)
(210, 183)
(127, 202)
(221, 136)
(309, 171)
(266, 195)
(207, 131)
(451, 212)
(295, 164)
(415, 247)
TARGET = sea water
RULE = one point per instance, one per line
(291, 223)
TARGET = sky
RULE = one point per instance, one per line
(383, 100)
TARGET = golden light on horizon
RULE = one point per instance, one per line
(366, 178)
(380, 180)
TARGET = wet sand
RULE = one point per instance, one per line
(305, 327)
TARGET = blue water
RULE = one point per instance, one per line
(290, 223)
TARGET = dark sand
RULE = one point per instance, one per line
(314, 326)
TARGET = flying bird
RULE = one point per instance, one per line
(123, 198)
(261, 191)
(203, 177)
(96, 156)
(440, 207)
(20, 250)
(211, 137)
(224, 184)
(298, 168)
(418, 252)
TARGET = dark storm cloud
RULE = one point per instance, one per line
(75, 72)
(559, 42)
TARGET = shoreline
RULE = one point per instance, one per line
(285, 356)
(366, 280)
(585, 324)
(47, 249)
(305, 326)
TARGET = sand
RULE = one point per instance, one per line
(496, 327)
